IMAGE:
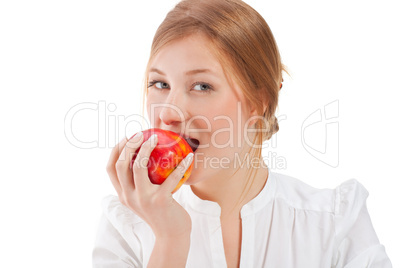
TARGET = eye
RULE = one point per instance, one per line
(203, 87)
(158, 84)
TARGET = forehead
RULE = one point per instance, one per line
(194, 52)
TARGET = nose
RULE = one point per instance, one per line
(172, 112)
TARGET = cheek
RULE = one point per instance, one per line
(227, 126)
(148, 107)
(153, 108)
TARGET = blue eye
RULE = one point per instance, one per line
(161, 85)
(198, 86)
(158, 84)
(203, 87)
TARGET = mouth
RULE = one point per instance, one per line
(194, 143)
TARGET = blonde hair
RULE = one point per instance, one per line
(242, 41)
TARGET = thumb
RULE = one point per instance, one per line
(174, 178)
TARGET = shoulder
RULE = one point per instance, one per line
(340, 200)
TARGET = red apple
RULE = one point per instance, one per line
(169, 152)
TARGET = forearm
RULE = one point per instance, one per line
(170, 252)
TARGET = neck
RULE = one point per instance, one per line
(232, 191)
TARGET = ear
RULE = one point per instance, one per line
(254, 113)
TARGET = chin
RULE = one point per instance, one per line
(195, 177)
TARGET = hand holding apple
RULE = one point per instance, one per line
(166, 156)
(153, 203)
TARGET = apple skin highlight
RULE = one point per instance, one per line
(166, 156)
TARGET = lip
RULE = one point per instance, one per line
(193, 142)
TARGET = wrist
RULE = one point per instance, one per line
(169, 235)
(181, 238)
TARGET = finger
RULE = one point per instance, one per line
(114, 155)
(111, 165)
(174, 178)
(140, 167)
(123, 163)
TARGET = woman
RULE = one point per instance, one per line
(214, 74)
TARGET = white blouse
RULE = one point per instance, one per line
(289, 224)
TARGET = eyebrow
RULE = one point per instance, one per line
(192, 72)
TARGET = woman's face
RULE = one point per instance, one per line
(188, 93)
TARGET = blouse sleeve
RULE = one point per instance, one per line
(356, 243)
(116, 245)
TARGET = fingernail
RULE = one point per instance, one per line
(153, 139)
(189, 160)
(154, 136)
(137, 136)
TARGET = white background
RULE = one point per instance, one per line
(58, 54)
